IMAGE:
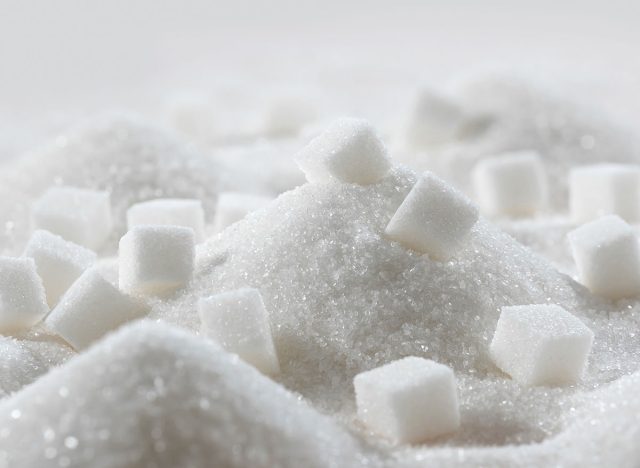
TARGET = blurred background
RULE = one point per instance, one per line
(62, 60)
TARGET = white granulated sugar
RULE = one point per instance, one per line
(169, 211)
(22, 296)
(410, 400)
(541, 345)
(602, 189)
(434, 218)
(59, 263)
(78, 215)
(130, 159)
(156, 259)
(152, 395)
(239, 321)
(503, 114)
(344, 299)
(607, 257)
(234, 206)
(349, 150)
(512, 184)
(91, 308)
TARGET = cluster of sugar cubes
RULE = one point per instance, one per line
(57, 268)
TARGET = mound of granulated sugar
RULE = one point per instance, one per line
(343, 298)
(151, 395)
(509, 114)
(120, 154)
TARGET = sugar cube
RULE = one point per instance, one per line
(607, 257)
(434, 218)
(79, 215)
(156, 259)
(603, 189)
(170, 212)
(91, 308)
(22, 297)
(512, 184)
(231, 207)
(349, 151)
(59, 262)
(238, 320)
(408, 401)
(541, 345)
(435, 119)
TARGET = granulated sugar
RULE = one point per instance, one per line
(128, 158)
(503, 114)
(340, 298)
(344, 299)
(150, 396)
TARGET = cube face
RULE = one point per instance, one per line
(541, 345)
(348, 151)
(409, 401)
(604, 189)
(59, 263)
(234, 206)
(156, 259)
(169, 212)
(607, 257)
(239, 321)
(78, 215)
(22, 296)
(434, 218)
(513, 184)
(91, 308)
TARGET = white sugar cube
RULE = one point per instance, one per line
(607, 257)
(91, 308)
(170, 212)
(512, 184)
(239, 321)
(22, 297)
(605, 189)
(541, 345)
(156, 259)
(231, 207)
(349, 150)
(59, 262)
(408, 401)
(434, 218)
(79, 215)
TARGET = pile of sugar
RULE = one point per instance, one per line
(154, 396)
(342, 299)
(131, 159)
(499, 114)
